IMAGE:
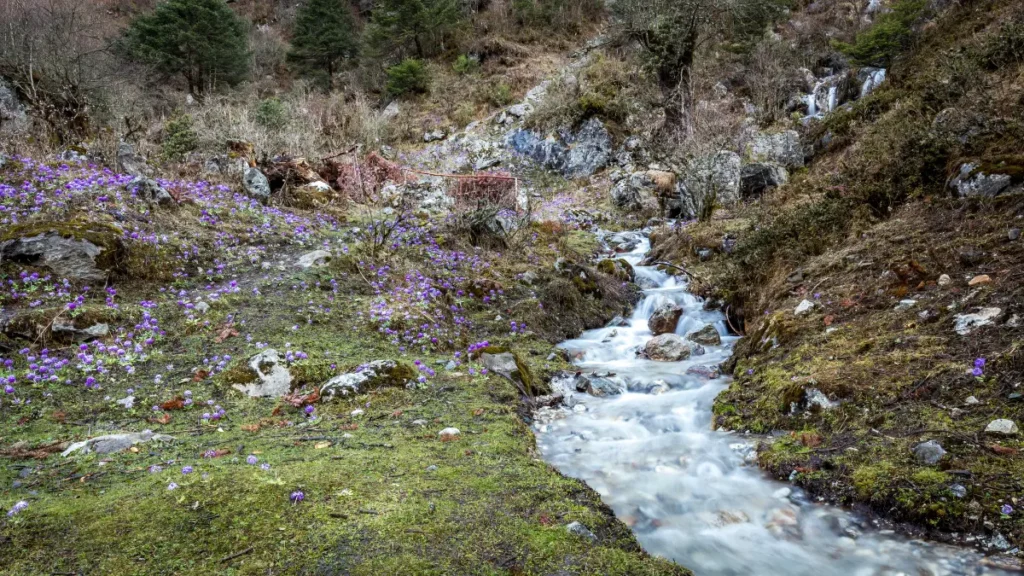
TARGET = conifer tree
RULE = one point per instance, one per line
(323, 38)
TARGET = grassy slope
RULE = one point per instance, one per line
(490, 507)
(900, 378)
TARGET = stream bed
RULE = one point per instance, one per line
(695, 495)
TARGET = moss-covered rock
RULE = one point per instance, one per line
(79, 249)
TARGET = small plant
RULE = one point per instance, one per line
(271, 113)
(465, 64)
(890, 35)
(500, 94)
(179, 137)
(409, 77)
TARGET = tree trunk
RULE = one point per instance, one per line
(676, 87)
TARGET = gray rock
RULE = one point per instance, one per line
(271, 377)
(434, 135)
(804, 307)
(128, 162)
(972, 182)
(709, 372)
(756, 179)
(391, 111)
(256, 184)
(69, 258)
(202, 307)
(451, 365)
(667, 348)
(958, 490)
(376, 373)
(591, 150)
(781, 148)
(66, 329)
(635, 192)
(150, 191)
(578, 529)
(715, 176)
(112, 443)
(1013, 234)
(664, 319)
(929, 452)
(964, 324)
(314, 259)
(529, 277)
(1002, 426)
(599, 385)
(13, 114)
(548, 153)
(708, 336)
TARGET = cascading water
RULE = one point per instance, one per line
(874, 80)
(692, 494)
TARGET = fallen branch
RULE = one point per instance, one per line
(680, 268)
(236, 555)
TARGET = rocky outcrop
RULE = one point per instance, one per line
(128, 162)
(758, 178)
(715, 177)
(150, 190)
(376, 374)
(781, 148)
(112, 443)
(77, 250)
(256, 184)
(575, 155)
(971, 181)
(267, 376)
(13, 114)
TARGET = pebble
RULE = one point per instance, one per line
(202, 307)
(1002, 426)
(1013, 234)
(906, 304)
(945, 280)
(431, 468)
(449, 433)
(971, 401)
(979, 280)
(805, 307)
(578, 529)
(357, 412)
(419, 422)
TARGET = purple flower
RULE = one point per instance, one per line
(9, 389)
(297, 496)
(252, 460)
(172, 486)
(17, 508)
(1006, 509)
(977, 371)
(186, 470)
(155, 468)
(979, 362)
(264, 466)
(309, 410)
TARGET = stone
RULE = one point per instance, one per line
(128, 162)
(758, 178)
(529, 278)
(375, 374)
(929, 452)
(202, 307)
(972, 401)
(906, 304)
(805, 307)
(434, 135)
(667, 348)
(708, 336)
(635, 192)
(65, 329)
(14, 116)
(964, 324)
(958, 490)
(112, 443)
(665, 319)
(578, 529)
(971, 255)
(782, 148)
(599, 385)
(945, 280)
(72, 258)
(1002, 426)
(270, 376)
(714, 176)
(449, 434)
(591, 150)
(314, 259)
(513, 368)
(256, 184)
(709, 372)
(979, 280)
(1013, 234)
(548, 153)
(150, 190)
(391, 111)
(972, 182)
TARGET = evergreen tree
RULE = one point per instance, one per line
(203, 40)
(324, 36)
(399, 28)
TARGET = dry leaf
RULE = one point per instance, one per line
(163, 419)
(478, 412)
(829, 320)
(352, 426)
(250, 427)
(200, 375)
(225, 332)
(1002, 450)
(176, 404)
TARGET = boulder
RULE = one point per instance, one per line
(591, 150)
(617, 268)
(758, 178)
(512, 367)
(714, 176)
(128, 162)
(667, 348)
(971, 181)
(782, 148)
(709, 372)
(112, 443)
(665, 319)
(708, 336)
(929, 452)
(256, 184)
(13, 114)
(392, 110)
(581, 531)
(376, 374)
(635, 192)
(596, 385)
(75, 250)
(548, 153)
(150, 190)
(267, 376)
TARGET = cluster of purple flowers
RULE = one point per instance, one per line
(979, 367)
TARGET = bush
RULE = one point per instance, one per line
(409, 77)
(1004, 48)
(271, 113)
(500, 94)
(180, 138)
(890, 35)
(465, 65)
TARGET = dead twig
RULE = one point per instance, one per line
(236, 555)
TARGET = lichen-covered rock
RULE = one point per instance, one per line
(112, 443)
(512, 367)
(266, 377)
(665, 319)
(256, 184)
(971, 181)
(131, 163)
(314, 259)
(708, 336)
(591, 150)
(782, 148)
(929, 452)
(617, 267)
(635, 192)
(714, 176)
(376, 374)
(150, 190)
(667, 348)
(1002, 427)
(76, 250)
(758, 178)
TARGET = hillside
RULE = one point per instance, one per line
(269, 316)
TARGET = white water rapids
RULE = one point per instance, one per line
(692, 494)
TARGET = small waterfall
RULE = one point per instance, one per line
(874, 79)
(833, 98)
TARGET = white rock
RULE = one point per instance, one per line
(964, 324)
(906, 304)
(1002, 426)
(945, 280)
(316, 258)
(357, 412)
(273, 379)
(782, 493)
(971, 401)
(449, 433)
(115, 442)
(805, 307)
(202, 307)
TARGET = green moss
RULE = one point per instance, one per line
(618, 268)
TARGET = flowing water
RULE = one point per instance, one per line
(692, 494)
